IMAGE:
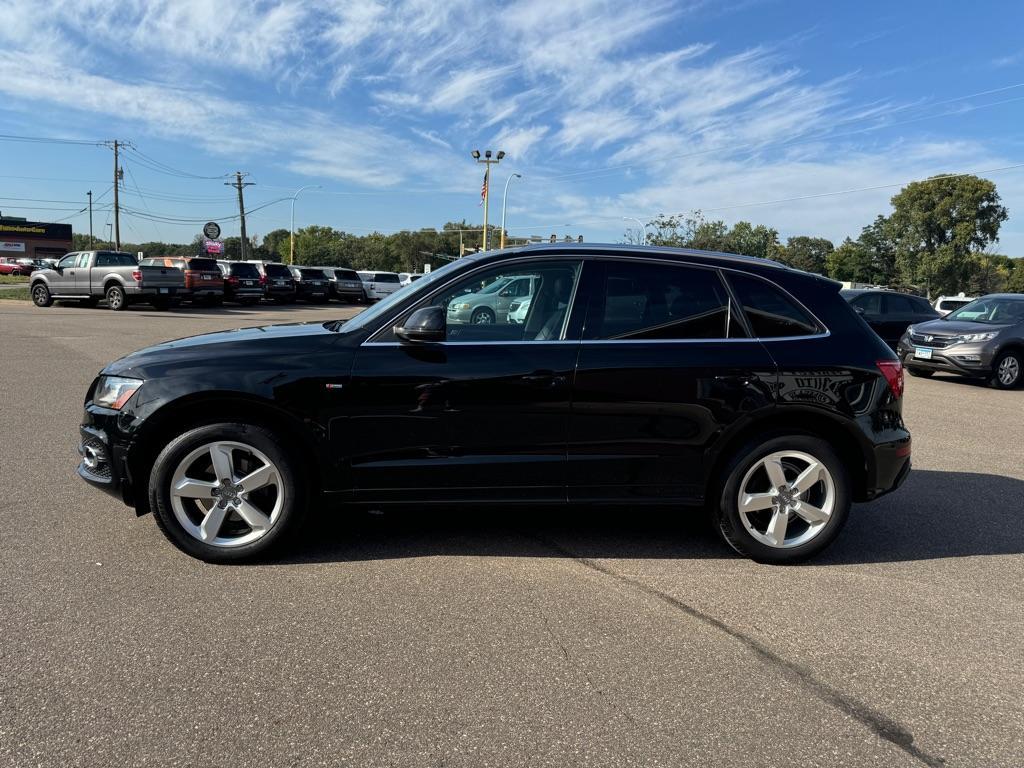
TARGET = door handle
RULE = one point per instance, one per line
(543, 379)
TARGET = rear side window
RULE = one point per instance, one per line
(203, 265)
(386, 277)
(346, 274)
(277, 270)
(661, 301)
(771, 313)
(899, 305)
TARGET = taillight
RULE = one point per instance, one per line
(233, 279)
(137, 275)
(263, 279)
(893, 372)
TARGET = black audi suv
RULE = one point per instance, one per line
(637, 376)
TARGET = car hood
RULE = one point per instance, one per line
(294, 338)
(942, 327)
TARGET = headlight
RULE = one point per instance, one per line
(464, 306)
(115, 391)
(973, 338)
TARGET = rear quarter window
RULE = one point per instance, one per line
(771, 312)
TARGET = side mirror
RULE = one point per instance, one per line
(859, 310)
(424, 325)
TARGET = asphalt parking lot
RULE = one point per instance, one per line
(500, 639)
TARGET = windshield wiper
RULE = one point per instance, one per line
(334, 325)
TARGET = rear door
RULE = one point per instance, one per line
(82, 274)
(666, 364)
(900, 312)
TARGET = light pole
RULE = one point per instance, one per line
(486, 159)
(504, 200)
(643, 228)
(291, 231)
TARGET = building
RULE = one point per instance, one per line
(33, 239)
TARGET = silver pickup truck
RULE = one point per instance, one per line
(89, 276)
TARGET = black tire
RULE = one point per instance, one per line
(41, 295)
(116, 298)
(728, 519)
(293, 485)
(482, 316)
(1008, 370)
(921, 373)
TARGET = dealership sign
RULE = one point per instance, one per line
(213, 246)
(212, 230)
(12, 247)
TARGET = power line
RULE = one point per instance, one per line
(48, 140)
(161, 167)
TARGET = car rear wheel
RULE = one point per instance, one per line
(226, 492)
(921, 373)
(1008, 372)
(41, 295)
(116, 300)
(783, 500)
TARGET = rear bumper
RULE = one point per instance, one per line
(891, 467)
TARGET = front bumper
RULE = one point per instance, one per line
(963, 359)
(103, 464)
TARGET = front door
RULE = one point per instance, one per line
(666, 364)
(483, 415)
(63, 282)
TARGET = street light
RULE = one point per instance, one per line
(291, 235)
(487, 182)
(504, 200)
(643, 227)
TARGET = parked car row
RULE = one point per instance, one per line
(24, 266)
(165, 281)
(980, 338)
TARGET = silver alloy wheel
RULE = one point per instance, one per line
(1009, 370)
(39, 294)
(786, 499)
(114, 298)
(216, 504)
(482, 317)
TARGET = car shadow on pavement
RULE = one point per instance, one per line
(935, 515)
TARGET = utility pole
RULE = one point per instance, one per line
(487, 183)
(117, 209)
(90, 218)
(239, 185)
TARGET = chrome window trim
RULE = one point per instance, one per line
(595, 341)
(629, 256)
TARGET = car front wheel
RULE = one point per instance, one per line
(226, 492)
(1008, 372)
(783, 500)
(41, 295)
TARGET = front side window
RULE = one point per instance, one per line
(870, 303)
(770, 312)
(641, 301)
(66, 263)
(522, 302)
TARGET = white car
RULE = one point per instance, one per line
(946, 304)
(408, 277)
(517, 310)
(380, 284)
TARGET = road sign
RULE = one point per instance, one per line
(212, 230)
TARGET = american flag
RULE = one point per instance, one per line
(483, 190)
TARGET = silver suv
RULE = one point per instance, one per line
(983, 339)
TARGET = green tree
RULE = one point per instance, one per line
(277, 243)
(939, 224)
(1015, 282)
(807, 253)
(852, 261)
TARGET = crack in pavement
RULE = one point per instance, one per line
(882, 725)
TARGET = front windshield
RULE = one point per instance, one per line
(381, 307)
(991, 311)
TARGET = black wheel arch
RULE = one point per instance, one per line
(191, 411)
(791, 420)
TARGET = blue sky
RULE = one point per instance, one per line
(607, 109)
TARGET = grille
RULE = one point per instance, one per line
(937, 342)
